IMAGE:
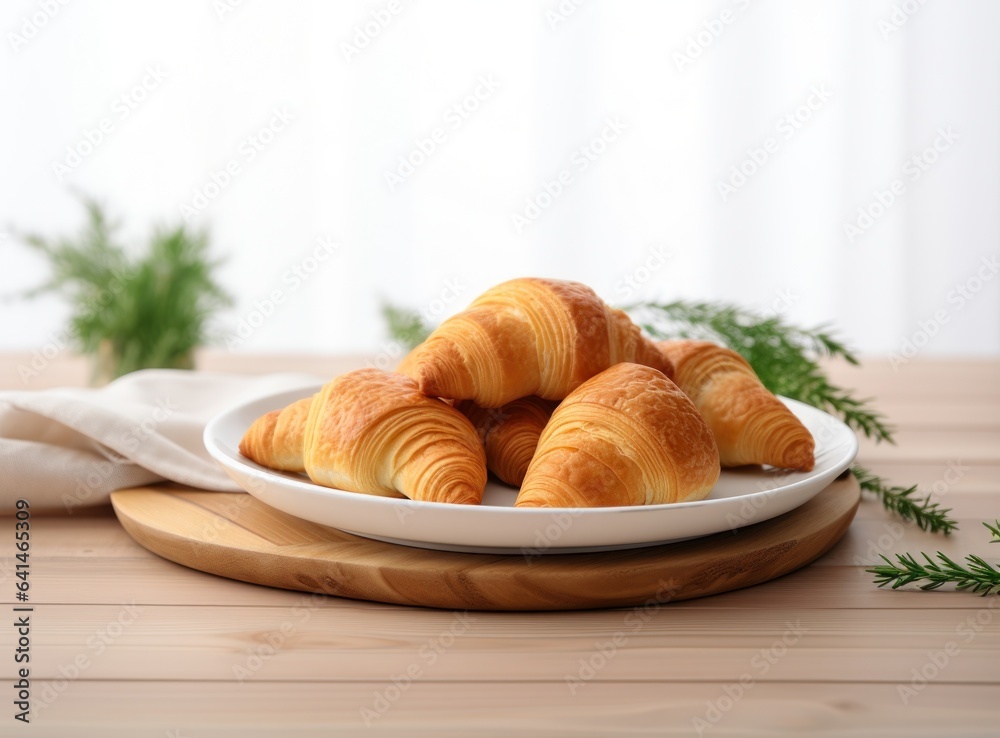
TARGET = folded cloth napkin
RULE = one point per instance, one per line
(62, 449)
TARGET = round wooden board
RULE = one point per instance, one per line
(236, 536)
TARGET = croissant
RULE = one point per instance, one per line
(751, 425)
(275, 439)
(527, 337)
(510, 433)
(629, 436)
(373, 432)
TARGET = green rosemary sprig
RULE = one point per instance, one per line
(995, 530)
(901, 501)
(978, 575)
(783, 356)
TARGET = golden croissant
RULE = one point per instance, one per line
(275, 439)
(629, 436)
(373, 432)
(527, 337)
(751, 425)
(510, 433)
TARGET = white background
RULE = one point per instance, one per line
(897, 73)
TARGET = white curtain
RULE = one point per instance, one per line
(653, 150)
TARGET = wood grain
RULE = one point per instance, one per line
(236, 536)
(318, 640)
(429, 709)
(170, 672)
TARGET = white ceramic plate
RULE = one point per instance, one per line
(742, 496)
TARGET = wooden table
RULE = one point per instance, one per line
(133, 645)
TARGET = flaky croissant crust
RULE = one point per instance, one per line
(628, 436)
(373, 432)
(526, 337)
(510, 433)
(750, 424)
(275, 439)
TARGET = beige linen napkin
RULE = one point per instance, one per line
(63, 449)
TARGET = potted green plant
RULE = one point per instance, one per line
(133, 311)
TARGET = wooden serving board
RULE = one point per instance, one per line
(236, 536)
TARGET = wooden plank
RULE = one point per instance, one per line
(336, 622)
(96, 536)
(969, 508)
(941, 413)
(521, 662)
(935, 446)
(74, 371)
(955, 475)
(317, 642)
(22, 370)
(867, 538)
(953, 378)
(425, 709)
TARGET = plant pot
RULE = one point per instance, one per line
(107, 364)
